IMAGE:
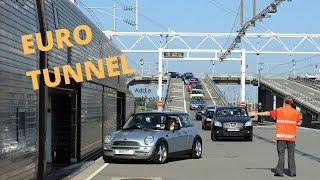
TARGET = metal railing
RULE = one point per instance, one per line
(220, 95)
(315, 84)
(291, 92)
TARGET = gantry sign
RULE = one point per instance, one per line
(159, 42)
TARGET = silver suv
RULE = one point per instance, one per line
(154, 136)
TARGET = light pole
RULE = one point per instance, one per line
(259, 74)
(141, 60)
(294, 67)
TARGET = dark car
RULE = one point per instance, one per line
(174, 74)
(231, 122)
(208, 115)
(200, 111)
(185, 74)
(187, 78)
(196, 101)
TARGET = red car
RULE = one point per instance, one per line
(190, 84)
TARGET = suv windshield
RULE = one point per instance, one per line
(234, 112)
(146, 121)
(210, 113)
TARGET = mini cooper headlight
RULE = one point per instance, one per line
(217, 123)
(208, 119)
(107, 139)
(248, 123)
(148, 140)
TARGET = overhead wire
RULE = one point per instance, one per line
(234, 13)
(146, 17)
(234, 22)
(92, 14)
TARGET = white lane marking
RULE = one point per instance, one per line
(184, 99)
(209, 93)
(97, 171)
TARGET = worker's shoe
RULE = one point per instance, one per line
(294, 175)
(280, 175)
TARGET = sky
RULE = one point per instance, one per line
(215, 16)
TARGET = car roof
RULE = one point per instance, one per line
(170, 113)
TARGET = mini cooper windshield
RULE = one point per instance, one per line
(146, 122)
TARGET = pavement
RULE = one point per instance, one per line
(225, 159)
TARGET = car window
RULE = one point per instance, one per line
(186, 121)
(196, 92)
(146, 121)
(200, 107)
(197, 98)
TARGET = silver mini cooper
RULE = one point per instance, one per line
(154, 136)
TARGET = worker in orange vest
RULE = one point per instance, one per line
(287, 120)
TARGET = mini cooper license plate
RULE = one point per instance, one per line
(233, 129)
(120, 151)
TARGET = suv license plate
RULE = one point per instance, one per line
(233, 129)
(123, 151)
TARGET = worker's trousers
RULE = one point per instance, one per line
(281, 147)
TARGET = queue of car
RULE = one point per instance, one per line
(222, 121)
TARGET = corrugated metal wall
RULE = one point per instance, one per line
(109, 111)
(63, 14)
(129, 105)
(91, 118)
(18, 100)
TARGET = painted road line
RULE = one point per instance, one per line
(97, 171)
(184, 99)
(209, 93)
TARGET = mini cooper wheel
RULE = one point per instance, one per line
(196, 149)
(161, 154)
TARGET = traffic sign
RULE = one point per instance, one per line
(159, 104)
(243, 104)
(173, 55)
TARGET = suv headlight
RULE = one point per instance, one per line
(217, 123)
(248, 123)
(148, 140)
(107, 139)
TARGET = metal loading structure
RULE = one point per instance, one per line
(214, 54)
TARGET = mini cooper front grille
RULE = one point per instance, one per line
(126, 143)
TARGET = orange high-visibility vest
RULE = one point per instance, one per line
(286, 126)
